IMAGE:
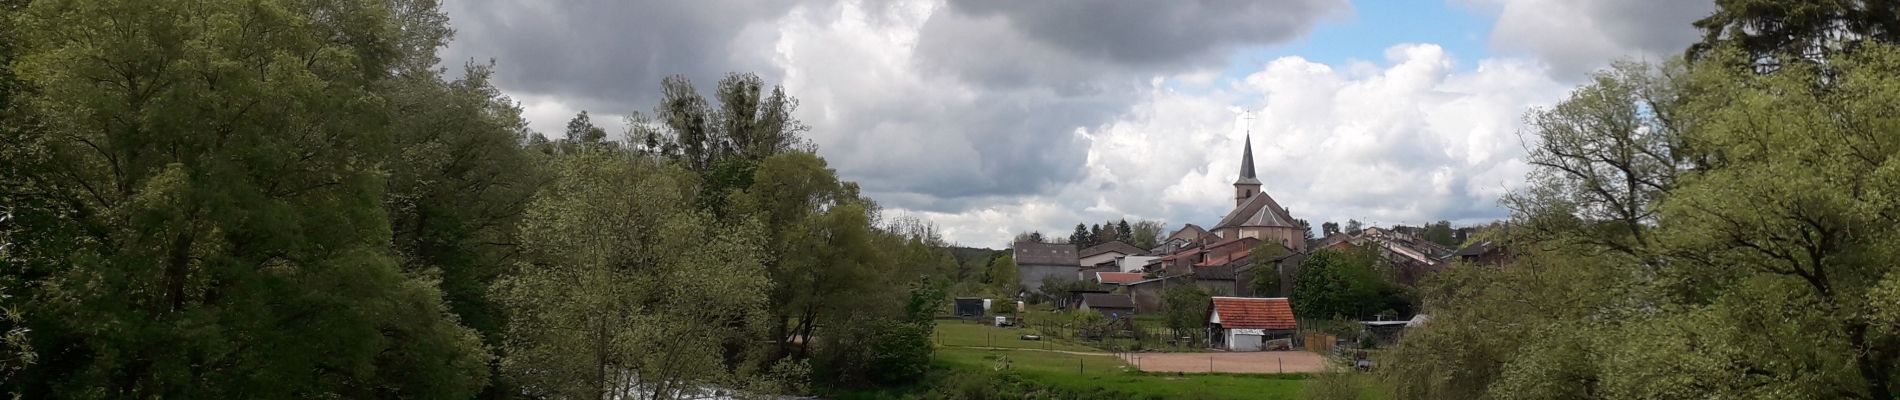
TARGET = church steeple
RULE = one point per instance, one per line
(1247, 185)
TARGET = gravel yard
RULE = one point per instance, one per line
(1263, 362)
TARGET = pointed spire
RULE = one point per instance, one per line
(1246, 159)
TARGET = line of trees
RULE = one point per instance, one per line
(287, 199)
(1144, 234)
(1717, 227)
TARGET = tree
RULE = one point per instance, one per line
(1441, 233)
(581, 129)
(1329, 228)
(1772, 33)
(1266, 268)
(1610, 152)
(199, 214)
(1185, 309)
(1002, 275)
(1080, 236)
(1306, 229)
(450, 213)
(1095, 237)
(1340, 283)
(1783, 213)
(624, 288)
(1353, 226)
(1124, 233)
(1147, 234)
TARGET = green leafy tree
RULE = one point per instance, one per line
(623, 288)
(1185, 309)
(1441, 233)
(1784, 213)
(1147, 234)
(1339, 283)
(1738, 248)
(1329, 228)
(204, 198)
(1081, 235)
(1265, 279)
(1771, 33)
(1002, 274)
(581, 129)
(457, 186)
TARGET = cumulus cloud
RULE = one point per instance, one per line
(994, 118)
(1412, 140)
(1579, 36)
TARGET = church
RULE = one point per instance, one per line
(1256, 215)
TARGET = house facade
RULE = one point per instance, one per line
(1037, 261)
(1107, 253)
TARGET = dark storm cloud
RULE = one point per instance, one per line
(1154, 32)
(1007, 143)
(1070, 45)
(1579, 36)
(608, 55)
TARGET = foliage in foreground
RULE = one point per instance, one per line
(1708, 230)
(286, 199)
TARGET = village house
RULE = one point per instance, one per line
(1484, 252)
(1180, 239)
(1036, 261)
(1249, 324)
(1413, 257)
(1134, 263)
(1108, 253)
(1109, 304)
(1148, 293)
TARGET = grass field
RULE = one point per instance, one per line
(1109, 374)
(964, 334)
(1078, 373)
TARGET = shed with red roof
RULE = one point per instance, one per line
(1247, 324)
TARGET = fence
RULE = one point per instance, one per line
(1127, 335)
(1116, 336)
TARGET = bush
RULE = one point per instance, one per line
(901, 353)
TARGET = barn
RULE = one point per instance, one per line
(1248, 324)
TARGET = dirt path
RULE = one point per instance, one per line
(1079, 353)
(1263, 362)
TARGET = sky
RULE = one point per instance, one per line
(990, 118)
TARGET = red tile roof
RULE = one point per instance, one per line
(1254, 313)
(1118, 277)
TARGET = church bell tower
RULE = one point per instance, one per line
(1247, 186)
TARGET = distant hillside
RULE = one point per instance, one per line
(965, 254)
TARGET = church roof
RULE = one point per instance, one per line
(1246, 164)
(1258, 211)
